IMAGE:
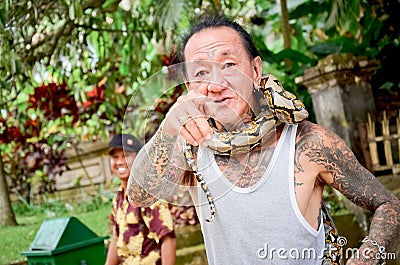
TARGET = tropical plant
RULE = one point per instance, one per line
(70, 71)
(67, 72)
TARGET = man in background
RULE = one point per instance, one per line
(141, 235)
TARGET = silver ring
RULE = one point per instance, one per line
(183, 120)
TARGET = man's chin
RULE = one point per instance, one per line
(123, 177)
(229, 124)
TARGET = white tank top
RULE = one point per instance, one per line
(261, 224)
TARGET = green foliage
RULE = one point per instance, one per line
(98, 55)
(321, 28)
(67, 71)
(52, 207)
(335, 202)
(49, 208)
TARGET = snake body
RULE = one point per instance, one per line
(187, 150)
(281, 107)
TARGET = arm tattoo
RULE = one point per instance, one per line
(296, 183)
(326, 149)
(156, 170)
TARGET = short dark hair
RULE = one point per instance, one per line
(216, 21)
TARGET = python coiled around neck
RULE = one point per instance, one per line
(280, 107)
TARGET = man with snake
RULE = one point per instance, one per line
(253, 163)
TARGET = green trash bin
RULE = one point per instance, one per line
(66, 241)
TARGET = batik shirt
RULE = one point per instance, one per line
(140, 230)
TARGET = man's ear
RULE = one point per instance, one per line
(187, 83)
(257, 66)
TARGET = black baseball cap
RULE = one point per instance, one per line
(127, 142)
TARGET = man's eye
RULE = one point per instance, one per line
(200, 73)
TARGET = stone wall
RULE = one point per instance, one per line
(87, 174)
(342, 96)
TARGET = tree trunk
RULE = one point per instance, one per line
(286, 31)
(7, 216)
(287, 42)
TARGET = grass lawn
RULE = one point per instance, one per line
(13, 240)
(95, 215)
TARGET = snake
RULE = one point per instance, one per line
(278, 106)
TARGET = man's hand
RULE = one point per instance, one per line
(187, 118)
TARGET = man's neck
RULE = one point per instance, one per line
(124, 185)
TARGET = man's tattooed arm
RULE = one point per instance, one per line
(341, 170)
(156, 171)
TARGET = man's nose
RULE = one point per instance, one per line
(217, 83)
(120, 160)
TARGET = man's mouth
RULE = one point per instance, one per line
(223, 100)
(214, 105)
(122, 169)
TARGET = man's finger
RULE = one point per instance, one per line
(184, 132)
(198, 125)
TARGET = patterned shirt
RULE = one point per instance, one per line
(140, 230)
